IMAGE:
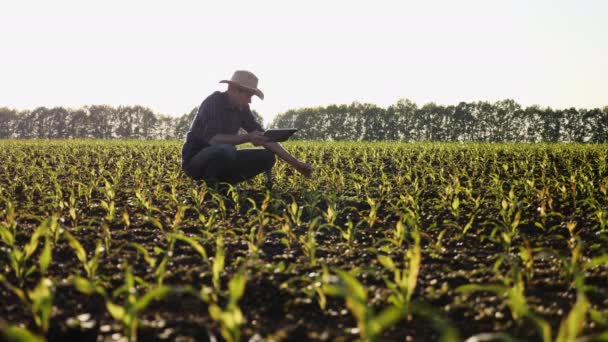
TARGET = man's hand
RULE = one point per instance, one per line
(303, 168)
(257, 138)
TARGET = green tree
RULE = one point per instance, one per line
(404, 114)
(598, 121)
(8, 121)
(551, 125)
(101, 122)
(533, 123)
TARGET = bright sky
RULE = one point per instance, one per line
(169, 55)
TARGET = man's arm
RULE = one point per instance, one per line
(277, 149)
(256, 137)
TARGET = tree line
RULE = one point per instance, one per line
(503, 120)
(98, 122)
(480, 121)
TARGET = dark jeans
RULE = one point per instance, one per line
(224, 163)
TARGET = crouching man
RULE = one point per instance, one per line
(209, 152)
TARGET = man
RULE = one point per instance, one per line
(209, 152)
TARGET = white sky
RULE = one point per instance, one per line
(169, 55)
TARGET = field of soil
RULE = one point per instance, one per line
(110, 240)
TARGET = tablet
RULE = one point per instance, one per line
(280, 134)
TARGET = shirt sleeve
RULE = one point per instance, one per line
(248, 122)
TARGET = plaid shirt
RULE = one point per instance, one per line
(216, 116)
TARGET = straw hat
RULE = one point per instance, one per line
(245, 79)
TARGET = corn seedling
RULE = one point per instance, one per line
(404, 280)
(369, 324)
(19, 257)
(90, 265)
(309, 243)
(513, 291)
(38, 301)
(230, 317)
(127, 313)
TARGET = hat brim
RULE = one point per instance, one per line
(256, 91)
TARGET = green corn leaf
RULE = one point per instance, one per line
(77, 247)
(504, 204)
(30, 271)
(415, 259)
(387, 262)
(45, 256)
(129, 281)
(122, 289)
(455, 203)
(84, 285)
(321, 297)
(598, 317)
(149, 260)
(353, 286)
(215, 312)
(516, 220)
(156, 293)
(387, 318)
(218, 262)
(572, 326)
(17, 334)
(156, 223)
(200, 249)
(597, 261)
(468, 225)
(42, 302)
(31, 246)
(15, 256)
(117, 311)
(17, 291)
(544, 328)
(6, 235)
(236, 287)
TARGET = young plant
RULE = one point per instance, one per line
(199, 196)
(571, 327)
(290, 236)
(404, 280)
(90, 265)
(193, 243)
(145, 202)
(157, 264)
(369, 324)
(512, 290)
(348, 233)
(372, 216)
(127, 313)
(309, 243)
(295, 213)
(38, 301)
(230, 318)
(257, 235)
(18, 257)
(109, 204)
(8, 227)
(218, 263)
(234, 196)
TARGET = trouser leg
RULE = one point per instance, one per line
(249, 163)
(224, 163)
(211, 163)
